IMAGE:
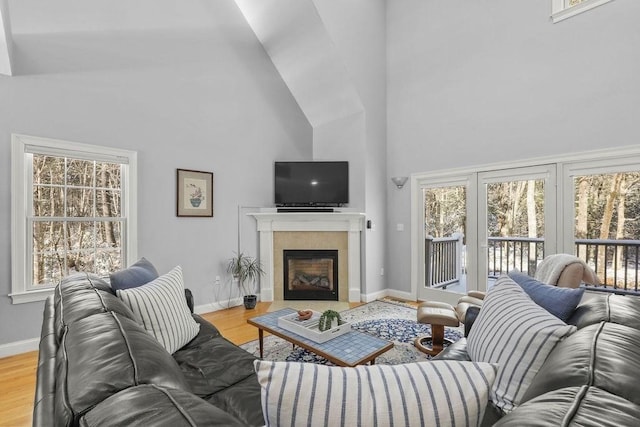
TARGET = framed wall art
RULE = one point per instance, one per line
(194, 193)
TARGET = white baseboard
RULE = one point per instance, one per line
(387, 293)
(408, 296)
(13, 348)
(401, 295)
(374, 296)
(217, 306)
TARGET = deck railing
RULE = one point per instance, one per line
(616, 262)
(443, 260)
(508, 253)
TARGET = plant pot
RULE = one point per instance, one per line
(250, 301)
(328, 320)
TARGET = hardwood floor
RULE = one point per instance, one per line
(18, 373)
(17, 388)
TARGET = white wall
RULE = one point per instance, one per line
(473, 83)
(358, 29)
(205, 99)
(465, 83)
(6, 41)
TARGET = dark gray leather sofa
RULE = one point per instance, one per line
(592, 378)
(98, 367)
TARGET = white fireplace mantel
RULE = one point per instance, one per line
(270, 222)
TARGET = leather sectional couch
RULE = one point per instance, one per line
(97, 367)
(591, 378)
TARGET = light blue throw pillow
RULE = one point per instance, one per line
(561, 302)
(138, 274)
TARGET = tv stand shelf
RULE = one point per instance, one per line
(309, 209)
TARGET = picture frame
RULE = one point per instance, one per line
(194, 193)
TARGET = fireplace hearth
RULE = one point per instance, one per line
(310, 275)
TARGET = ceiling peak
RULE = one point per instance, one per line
(295, 38)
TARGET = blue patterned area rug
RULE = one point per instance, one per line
(390, 321)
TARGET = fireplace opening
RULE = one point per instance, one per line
(311, 275)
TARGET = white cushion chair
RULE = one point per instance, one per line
(566, 271)
(471, 299)
(438, 315)
(562, 270)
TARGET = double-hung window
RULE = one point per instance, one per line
(73, 210)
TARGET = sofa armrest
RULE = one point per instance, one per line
(189, 296)
(45, 396)
(455, 351)
(470, 317)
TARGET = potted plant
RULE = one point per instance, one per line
(329, 319)
(246, 270)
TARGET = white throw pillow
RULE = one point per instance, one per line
(443, 392)
(517, 334)
(161, 308)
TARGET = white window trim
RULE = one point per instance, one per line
(567, 165)
(20, 144)
(422, 182)
(543, 172)
(630, 161)
(560, 12)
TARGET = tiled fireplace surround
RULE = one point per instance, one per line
(310, 230)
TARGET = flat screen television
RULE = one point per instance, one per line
(311, 184)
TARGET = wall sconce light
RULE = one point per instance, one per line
(399, 181)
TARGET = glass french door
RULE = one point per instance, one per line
(472, 228)
(517, 217)
(587, 204)
(444, 238)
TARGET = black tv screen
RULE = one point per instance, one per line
(311, 183)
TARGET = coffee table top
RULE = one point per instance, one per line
(351, 349)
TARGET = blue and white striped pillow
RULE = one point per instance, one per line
(517, 334)
(438, 393)
(161, 308)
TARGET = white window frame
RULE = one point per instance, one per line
(560, 9)
(626, 161)
(421, 182)
(22, 290)
(543, 172)
(621, 159)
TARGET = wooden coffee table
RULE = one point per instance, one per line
(351, 349)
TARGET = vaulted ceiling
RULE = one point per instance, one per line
(299, 46)
(291, 31)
